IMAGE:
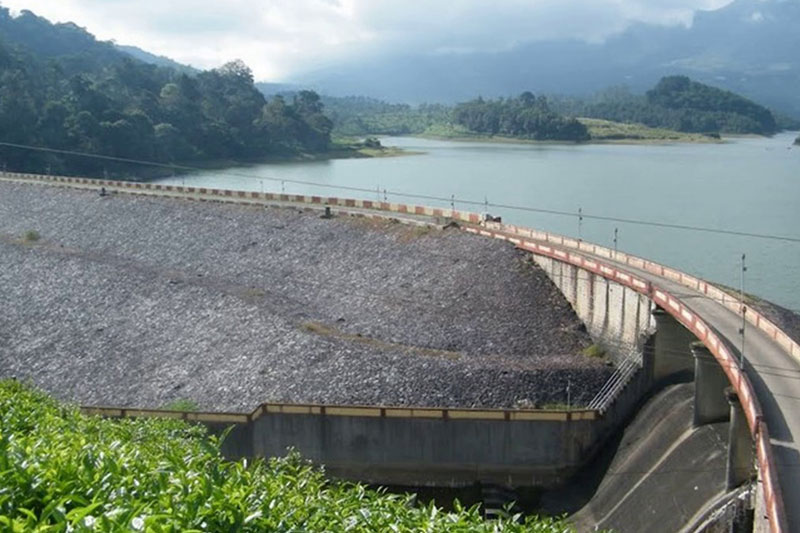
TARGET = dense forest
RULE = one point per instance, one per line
(676, 103)
(526, 116)
(361, 115)
(62, 89)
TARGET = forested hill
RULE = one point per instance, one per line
(62, 89)
(707, 108)
(526, 116)
(677, 103)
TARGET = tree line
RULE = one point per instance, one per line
(62, 89)
(675, 103)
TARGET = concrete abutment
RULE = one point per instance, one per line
(671, 359)
(710, 382)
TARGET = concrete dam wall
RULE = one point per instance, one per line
(459, 447)
(623, 327)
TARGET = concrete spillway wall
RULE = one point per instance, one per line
(615, 315)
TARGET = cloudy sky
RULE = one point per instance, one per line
(282, 38)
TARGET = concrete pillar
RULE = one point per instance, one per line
(760, 517)
(741, 459)
(670, 359)
(710, 382)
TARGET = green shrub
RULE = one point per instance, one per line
(31, 236)
(62, 471)
(595, 350)
(181, 404)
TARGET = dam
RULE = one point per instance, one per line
(619, 300)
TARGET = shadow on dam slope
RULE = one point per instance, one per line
(655, 476)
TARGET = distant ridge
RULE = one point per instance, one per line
(161, 61)
(749, 47)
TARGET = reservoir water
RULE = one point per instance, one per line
(749, 185)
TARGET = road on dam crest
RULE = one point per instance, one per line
(775, 376)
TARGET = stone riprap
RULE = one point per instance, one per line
(141, 301)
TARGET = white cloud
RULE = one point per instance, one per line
(278, 38)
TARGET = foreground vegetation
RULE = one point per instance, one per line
(62, 471)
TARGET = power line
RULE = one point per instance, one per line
(451, 200)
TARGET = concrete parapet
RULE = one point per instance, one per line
(710, 382)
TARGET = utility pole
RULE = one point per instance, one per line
(569, 403)
(744, 312)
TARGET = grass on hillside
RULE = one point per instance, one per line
(609, 131)
(63, 471)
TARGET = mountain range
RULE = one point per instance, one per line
(749, 46)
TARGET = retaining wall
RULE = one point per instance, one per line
(410, 446)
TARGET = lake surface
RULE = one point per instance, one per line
(747, 185)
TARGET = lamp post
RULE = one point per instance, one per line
(744, 312)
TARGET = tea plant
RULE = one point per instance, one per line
(62, 471)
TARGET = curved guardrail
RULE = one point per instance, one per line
(556, 246)
(717, 345)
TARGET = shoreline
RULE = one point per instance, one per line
(516, 140)
(155, 173)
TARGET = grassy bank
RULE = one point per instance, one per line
(620, 132)
(601, 131)
(62, 471)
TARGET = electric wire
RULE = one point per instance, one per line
(418, 196)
